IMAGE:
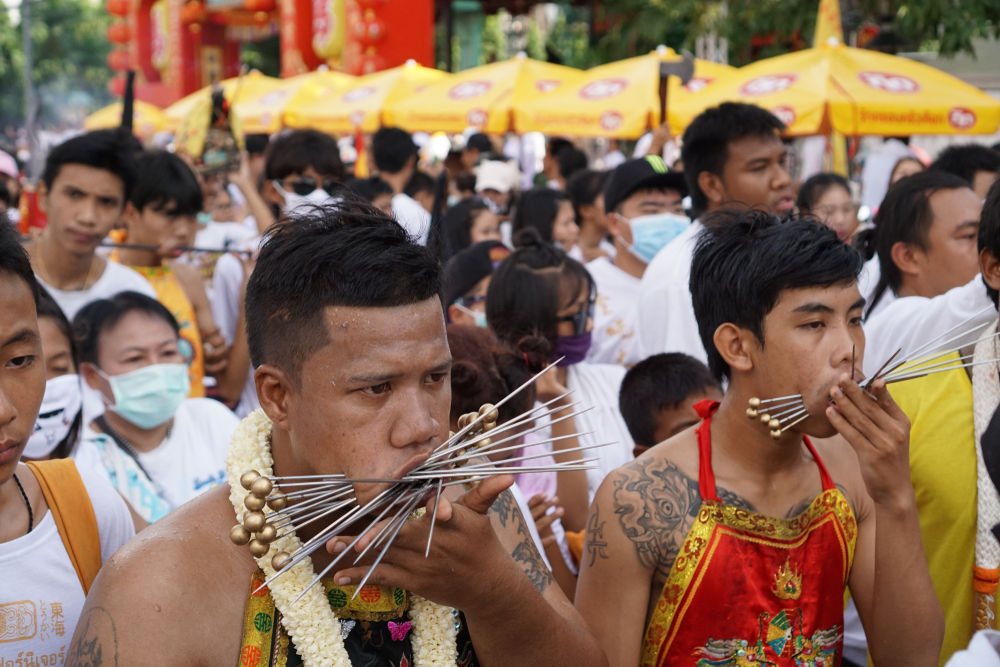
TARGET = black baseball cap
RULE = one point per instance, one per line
(468, 267)
(640, 174)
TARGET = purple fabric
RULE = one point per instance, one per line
(572, 349)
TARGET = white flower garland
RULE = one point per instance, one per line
(311, 623)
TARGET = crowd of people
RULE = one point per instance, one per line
(165, 320)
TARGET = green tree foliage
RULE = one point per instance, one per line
(70, 48)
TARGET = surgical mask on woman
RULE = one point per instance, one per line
(149, 396)
(60, 406)
(294, 202)
(651, 232)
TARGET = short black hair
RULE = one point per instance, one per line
(989, 230)
(964, 161)
(296, 151)
(369, 188)
(110, 150)
(584, 187)
(465, 182)
(538, 208)
(743, 261)
(457, 223)
(571, 160)
(555, 145)
(102, 315)
(479, 142)
(391, 149)
(529, 288)
(347, 254)
(14, 258)
(256, 144)
(657, 383)
(419, 182)
(904, 216)
(815, 187)
(47, 307)
(4, 195)
(164, 181)
(706, 140)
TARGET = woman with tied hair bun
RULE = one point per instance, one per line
(540, 302)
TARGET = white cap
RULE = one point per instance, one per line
(8, 166)
(496, 175)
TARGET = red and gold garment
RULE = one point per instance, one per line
(749, 590)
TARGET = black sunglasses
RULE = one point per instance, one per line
(580, 317)
(306, 184)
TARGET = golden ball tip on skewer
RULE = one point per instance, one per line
(776, 434)
(267, 534)
(253, 521)
(774, 425)
(764, 418)
(280, 560)
(492, 414)
(253, 503)
(247, 478)
(258, 548)
(277, 503)
(239, 535)
(261, 487)
(755, 403)
(751, 413)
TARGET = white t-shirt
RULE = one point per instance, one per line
(412, 216)
(190, 461)
(614, 338)
(41, 596)
(910, 322)
(666, 321)
(116, 278)
(225, 303)
(868, 281)
(224, 235)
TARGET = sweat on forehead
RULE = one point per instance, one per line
(744, 261)
(349, 254)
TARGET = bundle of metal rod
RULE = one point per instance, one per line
(180, 250)
(779, 414)
(922, 362)
(278, 506)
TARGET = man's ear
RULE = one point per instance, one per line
(131, 215)
(274, 390)
(713, 188)
(989, 265)
(735, 345)
(90, 375)
(614, 223)
(271, 194)
(904, 256)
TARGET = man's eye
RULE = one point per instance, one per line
(856, 321)
(438, 377)
(21, 362)
(378, 389)
(813, 325)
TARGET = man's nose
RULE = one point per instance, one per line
(415, 424)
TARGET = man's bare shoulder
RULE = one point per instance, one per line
(841, 461)
(159, 586)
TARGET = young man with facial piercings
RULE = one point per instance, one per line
(733, 158)
(347, 333)
(643, 211)
(726, 546)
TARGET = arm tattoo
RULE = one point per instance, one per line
(595, 537)
(656, 505)
(525, 553)
(96, 641)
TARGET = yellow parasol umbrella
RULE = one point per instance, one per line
(252, 85)
(620, 99)
(854, 91)
(264, 114)
(480, 97)
(359, 106)
(147, 119)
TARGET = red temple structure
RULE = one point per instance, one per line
(179, 46)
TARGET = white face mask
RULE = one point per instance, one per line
(302, 203)
(60, 406)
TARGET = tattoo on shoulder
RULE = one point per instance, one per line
(656, 505)
(525, 553)
(96, 641)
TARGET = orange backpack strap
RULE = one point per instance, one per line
(73, 512)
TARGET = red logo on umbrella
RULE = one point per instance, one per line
(469, 89)
(961, 118)
(697, 83)
(477, 117)
(889, 83)
(768, 84)
(358, 94)
(603, 88)
(547, 85)
(785, 114)
(611, 120)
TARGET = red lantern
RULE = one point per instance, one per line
(116, 86)
(119, 60)
(118, 7)
(375, 31)
(119, 32)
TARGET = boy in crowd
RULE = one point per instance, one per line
(642, 200)
(49, 556)
(685, 556)
(420, 188)
(658, 395)
(395, 157)
(976, 165)
(85, 186)
(586, 193)
(733, 157)
(161, 213)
